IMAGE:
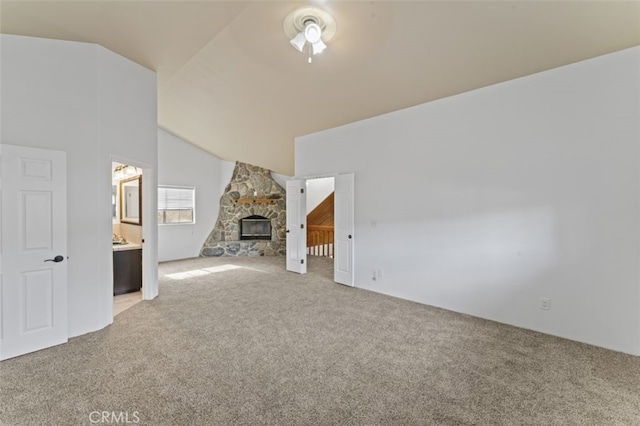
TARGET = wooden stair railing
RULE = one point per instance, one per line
(320, 240)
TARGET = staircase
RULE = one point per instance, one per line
(320, 229)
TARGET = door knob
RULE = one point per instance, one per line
(56, 259)
(350, 236)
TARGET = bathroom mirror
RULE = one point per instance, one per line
(131, 200)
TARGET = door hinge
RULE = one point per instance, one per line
(302, 226)
(302, 190)
(302, 261)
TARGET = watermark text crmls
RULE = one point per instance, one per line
(114, 417)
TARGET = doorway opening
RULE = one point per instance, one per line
(320, 217)
(327, 232)
(320, 225)
(127, 238)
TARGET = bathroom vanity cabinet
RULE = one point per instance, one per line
(127, 269)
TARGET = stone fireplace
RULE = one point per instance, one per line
(252, 216)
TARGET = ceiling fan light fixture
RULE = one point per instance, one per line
(309, 28)
(318, 47)
(312, 32)
(298, 41)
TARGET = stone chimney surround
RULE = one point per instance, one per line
(251, 192)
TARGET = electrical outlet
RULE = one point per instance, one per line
(379, 272)
(374, 274)
(545, 303)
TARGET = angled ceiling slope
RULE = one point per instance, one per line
(230, 82)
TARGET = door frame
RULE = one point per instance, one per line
(333, 175)
(149, 232)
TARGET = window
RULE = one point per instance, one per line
(176, 205)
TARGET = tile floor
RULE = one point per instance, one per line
(125, 301)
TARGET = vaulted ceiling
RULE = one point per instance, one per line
(230, 83)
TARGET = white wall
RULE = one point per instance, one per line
(484, 202)
(280, 179)
(317, 190)
(182, 164)
(96, 106)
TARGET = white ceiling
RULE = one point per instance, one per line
(230, 83)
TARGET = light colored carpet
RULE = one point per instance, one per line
(256, 345)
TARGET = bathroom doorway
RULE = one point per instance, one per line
(127, 237)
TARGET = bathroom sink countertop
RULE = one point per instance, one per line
(127, 246)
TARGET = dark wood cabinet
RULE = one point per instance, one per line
(127, 271)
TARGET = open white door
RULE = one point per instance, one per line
(296, 226)
(344, 224)
(33, 266)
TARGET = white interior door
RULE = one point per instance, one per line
(296, 226)
(344, 225)
(33, 263)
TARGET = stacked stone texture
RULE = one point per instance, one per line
(248, 182)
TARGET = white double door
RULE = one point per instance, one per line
(33, 256)
(343, 228)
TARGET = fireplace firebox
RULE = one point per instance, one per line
(255, 228)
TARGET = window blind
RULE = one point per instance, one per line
(171, 198)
